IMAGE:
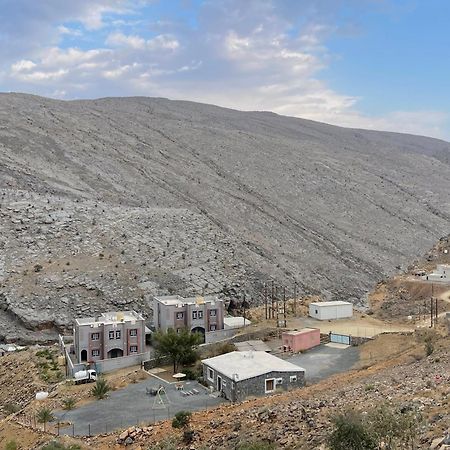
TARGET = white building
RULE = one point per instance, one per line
(330, 310)
(230, 323)
(441, 274)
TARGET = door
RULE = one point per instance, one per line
(83, 355)
(219, 384)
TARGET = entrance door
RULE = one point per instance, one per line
(219, 384)
(83, 355)
(270, 385)
(115, 353)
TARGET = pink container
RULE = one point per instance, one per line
(296, 341)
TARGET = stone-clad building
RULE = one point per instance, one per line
(241, 374)
(111, 335)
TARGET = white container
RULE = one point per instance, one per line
(330, 310)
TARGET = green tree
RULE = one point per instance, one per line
(101, 388)
(44, 416)
(179, 347)
(350, 432)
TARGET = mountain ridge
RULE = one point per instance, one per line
(263, 197)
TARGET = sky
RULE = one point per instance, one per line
(377, 64)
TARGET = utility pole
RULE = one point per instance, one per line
(295, 299)
(273, 300)
(276, 303)
(265, 299)
(243, 307)
(431, 313)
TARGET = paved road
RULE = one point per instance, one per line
(131, 405)
(323, 361)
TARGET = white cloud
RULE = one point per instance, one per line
(244, 55)
(160, 42)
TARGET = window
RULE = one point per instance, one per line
(212, 312)
(317, 311)
(96, 352)
(133, 348)
(111, 334)
(133, 332)
(293, 378)
(270, 385)
(118, 334)
(95, 336)
(210, 374)
(178, 330)
(279, 381)
(194, 314)
(180, 315)
(200, 314)
(212, 328)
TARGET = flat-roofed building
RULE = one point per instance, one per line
(238, 375)
(110, 335)
(198, 314)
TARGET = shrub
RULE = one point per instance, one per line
(256, 445)
(351, 433)
(11, 445)
(11, 408)
(68, 403)
(55, 445)
(181, 419)
(101, 389)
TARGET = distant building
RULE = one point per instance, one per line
(230, 323)
(441, 274)
(198, 314)
(297, 341)
(330, 310)
(111, 335)
(238, 375)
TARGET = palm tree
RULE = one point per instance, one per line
(101, 388)
(45, 415)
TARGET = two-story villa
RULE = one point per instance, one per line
(198, 314)
(112, 335)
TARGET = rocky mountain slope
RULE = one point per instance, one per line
(105, 202)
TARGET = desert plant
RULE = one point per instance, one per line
(256, 445)
(349, 432)
(44, 416)
(101, 389)
(55, 445)
(181, 419)
(68, 403)
(11, 445)
(11, 408)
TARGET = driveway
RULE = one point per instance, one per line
(132, 405)
(325, 360)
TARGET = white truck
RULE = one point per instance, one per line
(85, 376)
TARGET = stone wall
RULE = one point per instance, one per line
(237, 391)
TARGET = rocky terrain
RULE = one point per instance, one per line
(406, 296)
(104, 203)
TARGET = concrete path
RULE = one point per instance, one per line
(131, 405)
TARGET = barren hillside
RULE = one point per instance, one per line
(106, 202)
